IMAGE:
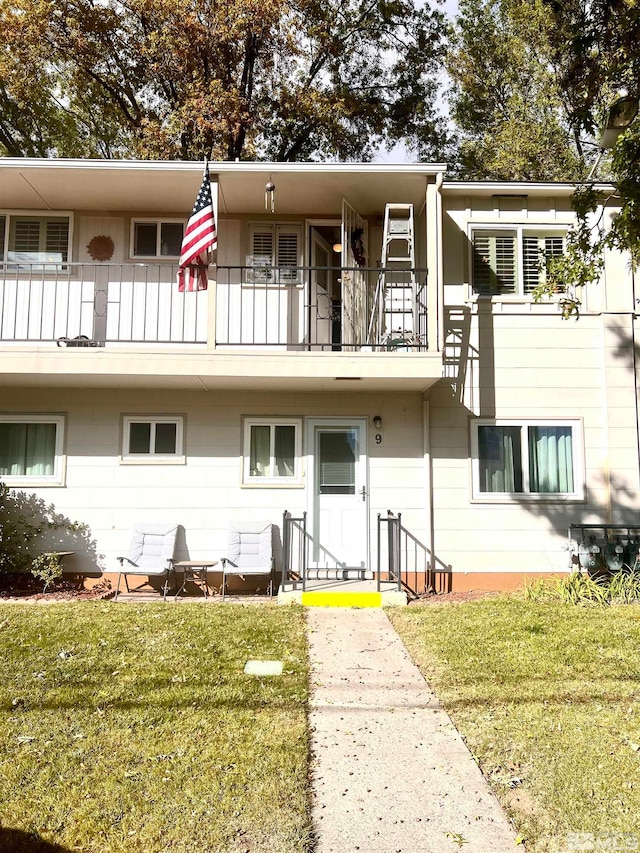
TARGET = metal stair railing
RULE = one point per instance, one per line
(408, 560)
(294, 548)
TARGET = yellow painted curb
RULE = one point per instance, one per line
(342, 599)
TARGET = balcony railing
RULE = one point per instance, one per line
(290, 308)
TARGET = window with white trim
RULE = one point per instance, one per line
(533, 459)
(155, 238)
(153, 438)
(35, 239)
(512, 261)
(276, 250)
(31, 450)
(272, 451)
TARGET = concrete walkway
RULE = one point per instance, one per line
(391, 773)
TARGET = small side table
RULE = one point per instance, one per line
(196, 572)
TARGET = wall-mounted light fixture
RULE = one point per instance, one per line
(377, 422)
(337, 247)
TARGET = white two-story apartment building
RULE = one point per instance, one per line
(368, 343)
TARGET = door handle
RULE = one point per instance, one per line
(363, 492)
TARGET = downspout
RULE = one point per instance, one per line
(426, 445)
(439, 262)
(634, 357)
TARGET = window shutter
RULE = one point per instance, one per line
(320, 260)
(288, 255)
(494, 263)
(261, 245)
(27, 235)
(57, 239)
(535, 251)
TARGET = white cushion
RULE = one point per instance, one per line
(152, 546)
(250, 548)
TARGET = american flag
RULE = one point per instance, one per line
(200, 236)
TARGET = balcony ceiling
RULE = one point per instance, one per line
(310, 189)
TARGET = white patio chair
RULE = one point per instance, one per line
(250, 552)
(151, 553)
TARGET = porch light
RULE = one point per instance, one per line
(337, 247)
(270, 196)
(620, 116)
(377, 422)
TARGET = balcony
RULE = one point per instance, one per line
(295, 328)
(290, 308)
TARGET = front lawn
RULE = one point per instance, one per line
(133, 728)
(546, 696)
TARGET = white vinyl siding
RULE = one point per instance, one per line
(511, 261)
(277, 249)
(528, 460)
(153, 438)
(35, 239)
(31, 450)
(272, 452)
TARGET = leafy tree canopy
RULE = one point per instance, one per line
(511, 113)
(243, 79)
(596, 48)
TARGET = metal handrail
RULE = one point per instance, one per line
(405, 555)
(288, 307)
(294, 547)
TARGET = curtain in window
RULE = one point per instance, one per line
(27, 449)
(499, 451)
(551, 459)
(284, 451)
(260, 451)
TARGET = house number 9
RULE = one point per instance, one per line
(378, 438)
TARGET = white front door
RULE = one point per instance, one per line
(337, 470)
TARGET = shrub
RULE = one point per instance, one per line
(28, 527)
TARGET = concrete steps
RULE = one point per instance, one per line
(342, 593)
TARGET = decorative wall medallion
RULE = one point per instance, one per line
(101, 248)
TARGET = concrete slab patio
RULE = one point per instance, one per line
(391, 774)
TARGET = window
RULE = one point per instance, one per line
(31, 450)
(275, 248)
(534, 459)
(34, 239)
(512, 261)
(156, 239)
(153, 439)
(271, 452)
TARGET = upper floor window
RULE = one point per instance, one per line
(153, 438)
(154, 238)
(276, 248)
(31, 450)
(512, 260)
(526, 459)
(35, 239)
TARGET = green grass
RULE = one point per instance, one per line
(546, 696)
(133, 728)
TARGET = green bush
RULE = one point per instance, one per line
(29, 527)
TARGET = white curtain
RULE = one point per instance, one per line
(27, 449)
(499, 452)
(260, 451)
(284, 451)
(551, 459)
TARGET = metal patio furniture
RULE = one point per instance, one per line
(250, 552)
(151, 553)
